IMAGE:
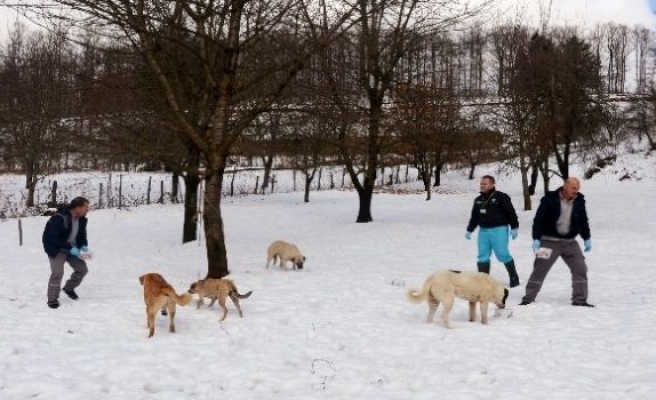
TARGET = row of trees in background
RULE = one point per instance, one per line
(192, 87)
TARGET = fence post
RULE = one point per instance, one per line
(150, 181)
(100, 196)
(53, 195)
(20, 232)
(161, 192)
(257, 184)
(120, 191)
(232, 181)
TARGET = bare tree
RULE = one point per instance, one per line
(36, 77)
(228, 54)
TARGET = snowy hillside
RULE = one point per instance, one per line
(342, 328)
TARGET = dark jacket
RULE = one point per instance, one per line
(498, 211)
(58, 229)
(548, 212)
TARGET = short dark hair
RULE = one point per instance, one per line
(79, 202)
(490, 178)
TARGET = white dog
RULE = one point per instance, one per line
(283, 251)
(475, 287)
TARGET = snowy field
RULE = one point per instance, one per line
(342, 328)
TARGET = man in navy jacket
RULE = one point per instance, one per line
(560, 218)
(64, 239)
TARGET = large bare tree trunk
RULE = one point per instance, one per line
(217, 256)
(192, 182)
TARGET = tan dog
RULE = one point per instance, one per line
(158, 294)
(475, 287)
(218, 289)
(283, 251)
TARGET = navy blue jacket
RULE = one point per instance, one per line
(499, 211)
(58, 229)
(548, 212)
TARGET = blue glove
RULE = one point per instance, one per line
(84, 249)
(74, 251)
(514, 234)
(587, 245)
(468, 235)
(536, 245)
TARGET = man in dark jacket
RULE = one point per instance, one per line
(65, 240)
(494, 213)
(561, 217)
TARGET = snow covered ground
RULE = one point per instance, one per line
(342, 328)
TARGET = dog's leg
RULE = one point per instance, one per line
(171, 307)
(150, 321)
(212, 302)
(446, 310)
(484, 312)
(472, 311)
(235, 301)
(433, 303)
(223, 306)
(199, 303)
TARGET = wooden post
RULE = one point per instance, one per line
(294, 178)
(120, 191)
(257, 184)
(20, 232)
(150, 181)
(100, 196)
(232, 181)
(273, 181)
(319, 181)
(110, 203)
(332, 181)
(161, 192)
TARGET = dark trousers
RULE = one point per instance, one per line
(57, 274)
(571, 253)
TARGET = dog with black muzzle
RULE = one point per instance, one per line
(475, 287)
(283, 251)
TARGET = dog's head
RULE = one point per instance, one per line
(298, 261)
(195, 287)
(501, 297)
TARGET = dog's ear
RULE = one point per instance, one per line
(303, 258)
(141, 279)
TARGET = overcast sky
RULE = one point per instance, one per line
(574, 12)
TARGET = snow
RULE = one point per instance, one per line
(342, 328)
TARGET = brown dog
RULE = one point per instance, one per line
(158, 294)
(475, 287)
(283, 251)
(218, 289)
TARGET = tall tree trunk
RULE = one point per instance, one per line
(268, 163)
(217, 257)
(365, 195)
(30, 183)
(192, 181)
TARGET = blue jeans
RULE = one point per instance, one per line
(494, 239)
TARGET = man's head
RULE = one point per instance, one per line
(487, 184)
(571, 188)
(79, 207)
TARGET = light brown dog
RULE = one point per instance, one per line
(475, 287)
(159, 295)
(218, 289)
(283, 252)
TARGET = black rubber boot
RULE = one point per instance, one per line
(483, 267)
(512, 273)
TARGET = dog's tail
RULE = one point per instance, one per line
(181, 300)
(240, 296)
(416, 296)
(234, 293)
